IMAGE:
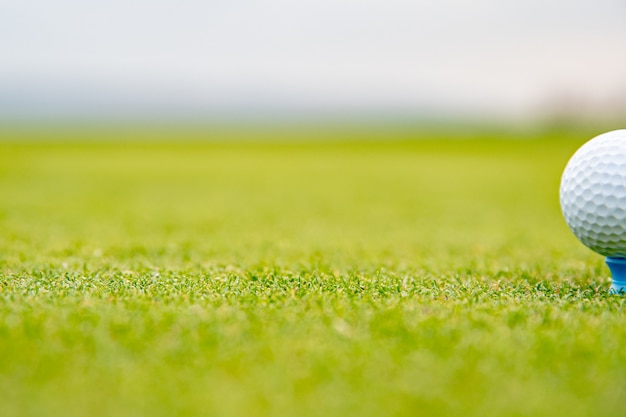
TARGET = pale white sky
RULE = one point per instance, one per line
(482, 56)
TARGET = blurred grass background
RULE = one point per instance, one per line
(268, 272)
(210, 198)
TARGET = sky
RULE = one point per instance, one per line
(155, 57)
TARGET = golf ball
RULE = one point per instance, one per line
(593, 194)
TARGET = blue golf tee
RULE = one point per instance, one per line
(618, 271)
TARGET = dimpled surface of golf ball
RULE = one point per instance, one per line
(593, 194)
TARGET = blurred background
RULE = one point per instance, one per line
(276, 60)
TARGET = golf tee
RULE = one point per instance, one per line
(618, 272)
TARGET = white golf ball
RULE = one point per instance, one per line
(593, 194)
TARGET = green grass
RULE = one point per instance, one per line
(395, 277)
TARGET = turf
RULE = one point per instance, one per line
(390, 274)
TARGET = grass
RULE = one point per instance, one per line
(398, 277)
